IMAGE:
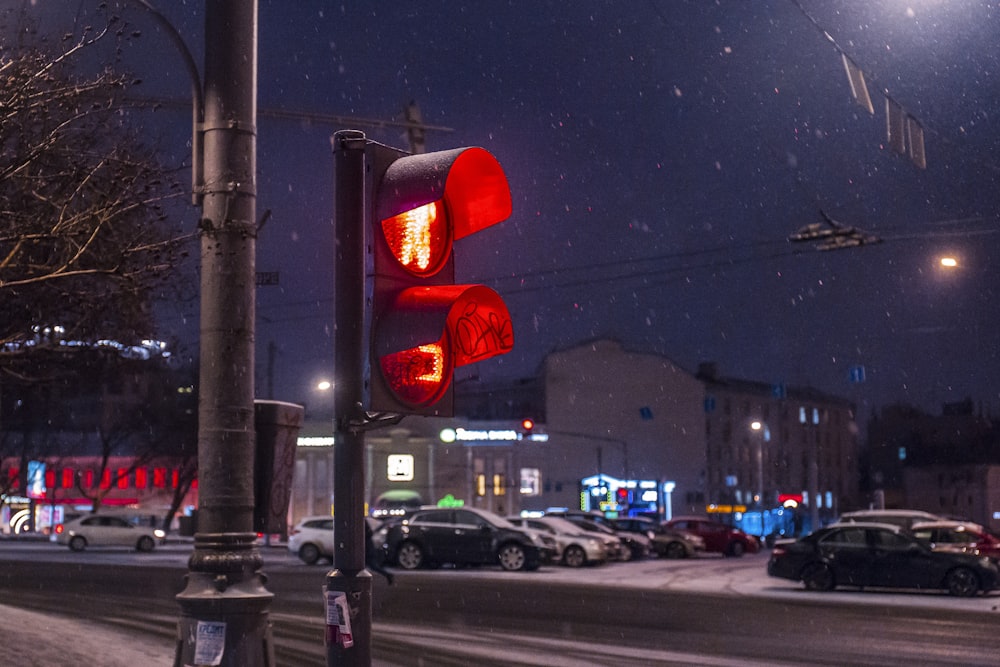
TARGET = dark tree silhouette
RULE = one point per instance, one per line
(85, 239)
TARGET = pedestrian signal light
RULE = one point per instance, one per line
(421, 324)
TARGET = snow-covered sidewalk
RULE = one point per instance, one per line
(33, 639)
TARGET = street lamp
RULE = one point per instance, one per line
(760, 428)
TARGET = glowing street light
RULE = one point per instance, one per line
(949, 262)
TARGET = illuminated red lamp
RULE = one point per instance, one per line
(431, 200)
(417, 375)
(461, 324)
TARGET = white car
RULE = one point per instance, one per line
(106, 530)
(312, 539)
(576, 546)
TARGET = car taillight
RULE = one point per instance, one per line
(59, 529)
(779, 551)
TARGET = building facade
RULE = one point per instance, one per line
(617, 431)
(780, 459)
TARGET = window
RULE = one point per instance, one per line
(853, 537)
(436, 516)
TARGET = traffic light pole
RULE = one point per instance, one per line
(224, 605)
(348, 591)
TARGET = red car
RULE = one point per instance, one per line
(719, 538)
(958, 534)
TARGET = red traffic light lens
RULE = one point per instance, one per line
(419, 238)
(419, 376)
(527, 424)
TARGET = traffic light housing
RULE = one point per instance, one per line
(421, 325)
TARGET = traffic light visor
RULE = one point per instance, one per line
(433, 199)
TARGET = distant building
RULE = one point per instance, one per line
(946, 464)
(618, 431)
(779, 449)
(622, 425)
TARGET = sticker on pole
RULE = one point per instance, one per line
(338, 619)
(210, 642)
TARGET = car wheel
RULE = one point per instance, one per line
(818, 577)
(145, 544)
(675, 550)
(574, 556)
(962, 582)
(410, 556)
(309, 554)
(736, 549)
(78, 543)
(512, 557)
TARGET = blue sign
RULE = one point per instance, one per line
(857, 374)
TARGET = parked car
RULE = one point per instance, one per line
(311, 539)
(635, 524)
(964, 535)
(666, 543)
(550, 548)
(905, 518)
(460, 536)
(106, 530)
(718, 537)
(878, 555)
(633, 545)
(576, 547)
(671, 543)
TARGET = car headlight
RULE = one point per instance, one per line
(159, 534)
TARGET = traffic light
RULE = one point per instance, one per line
(421, 325)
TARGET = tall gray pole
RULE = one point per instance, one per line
(224, 606)
(349, 586)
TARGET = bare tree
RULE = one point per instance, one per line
(84, 235)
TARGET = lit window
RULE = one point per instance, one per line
(530, 481)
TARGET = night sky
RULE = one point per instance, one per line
(659, 154)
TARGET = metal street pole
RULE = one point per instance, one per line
(348, 590)
(224, 606)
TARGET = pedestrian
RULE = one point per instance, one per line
(373, 556)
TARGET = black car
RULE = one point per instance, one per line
(459, 536)
(878, 555)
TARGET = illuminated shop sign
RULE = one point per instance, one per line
(315, 441)
(399, 468)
